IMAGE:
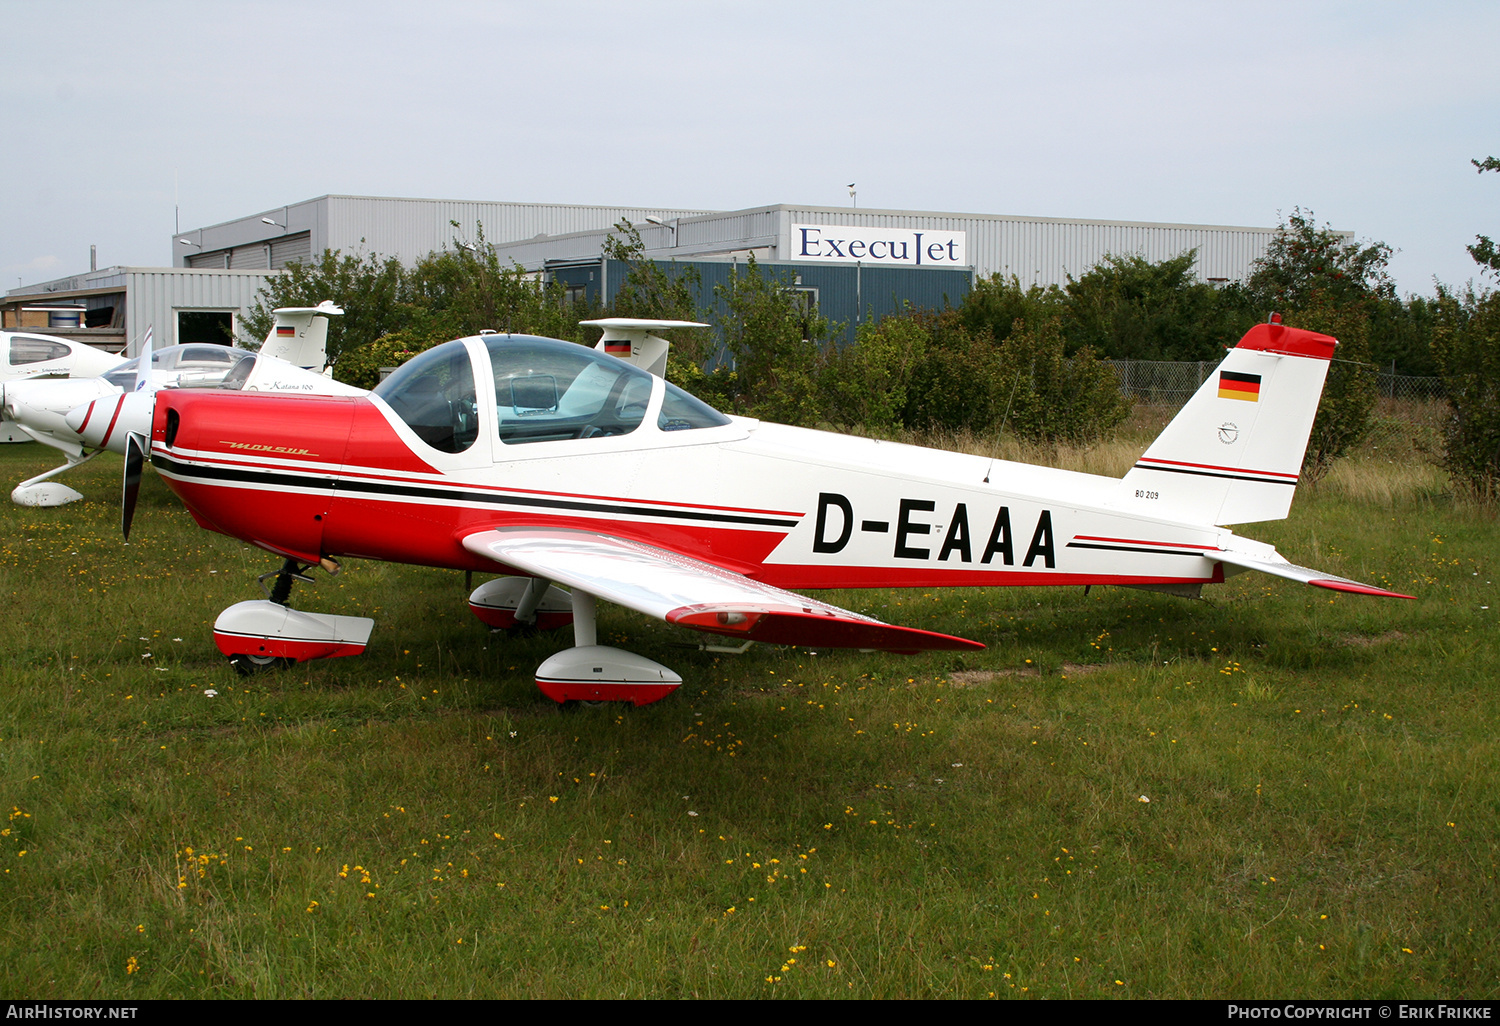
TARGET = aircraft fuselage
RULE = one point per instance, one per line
(307, 477)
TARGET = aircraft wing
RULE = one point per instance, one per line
(692, 593)
(1292, 572)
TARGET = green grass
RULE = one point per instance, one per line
(1321, 772)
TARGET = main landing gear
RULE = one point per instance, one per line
(265, 633)
(587, 672)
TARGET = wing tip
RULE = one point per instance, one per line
(1354, 587)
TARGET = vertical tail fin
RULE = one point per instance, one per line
(631, 339)
(1233, 454)
(300, 335)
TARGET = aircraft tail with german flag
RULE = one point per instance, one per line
(1233, 454)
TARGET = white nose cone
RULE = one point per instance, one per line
(105, 423)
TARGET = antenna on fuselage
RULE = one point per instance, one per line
(631, 339)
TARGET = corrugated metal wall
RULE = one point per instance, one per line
(411, 228)
(155, 296)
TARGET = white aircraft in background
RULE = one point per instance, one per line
(25, 354)
(83, 417)
(552, 462)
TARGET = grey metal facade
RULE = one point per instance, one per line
(407, 229)
(1037, 250)
(151, 296)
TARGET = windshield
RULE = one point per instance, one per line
(434, 394)
(548, 390)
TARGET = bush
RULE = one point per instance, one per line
(959, 384)
(1347, 407)
(1132, 309)
(868, 383)
(996, 303)
(1466, 346)
(1055, 398)
(361, 367)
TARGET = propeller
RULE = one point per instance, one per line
(135, 445)
(135, 461)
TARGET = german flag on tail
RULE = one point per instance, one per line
(1233, 385)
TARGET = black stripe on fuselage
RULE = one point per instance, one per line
(1135, 548)
(345, 486)
(1214, 473)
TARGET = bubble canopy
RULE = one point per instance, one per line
(546, 390)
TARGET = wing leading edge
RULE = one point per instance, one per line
(692, 593)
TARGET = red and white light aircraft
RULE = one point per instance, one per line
(557, 463)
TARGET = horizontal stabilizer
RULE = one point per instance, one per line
(692, 593)
(1292, 572)
(631, 339)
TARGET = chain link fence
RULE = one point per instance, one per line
(1172, 383)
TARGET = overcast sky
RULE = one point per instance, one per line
(1365, 113)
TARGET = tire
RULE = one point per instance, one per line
(247, 665)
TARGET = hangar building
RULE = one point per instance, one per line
(850, 263)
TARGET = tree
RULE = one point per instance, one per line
(1303, 259)
(775, 342)
(1322, 281)
(1484, 251)
(371, 291)
(1349, 391)
(648, 290)
(465, 290)
(1129, 308)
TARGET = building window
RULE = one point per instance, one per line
(211, 326)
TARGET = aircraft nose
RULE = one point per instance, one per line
(105, 423)
(76, 417)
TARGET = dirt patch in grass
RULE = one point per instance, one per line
(1367, 641)
(969, 678)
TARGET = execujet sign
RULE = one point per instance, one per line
(879, 245)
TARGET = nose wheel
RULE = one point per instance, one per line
(247, 665)
(267, 634)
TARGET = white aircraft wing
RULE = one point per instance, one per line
(692, 593)
(1293, 572)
